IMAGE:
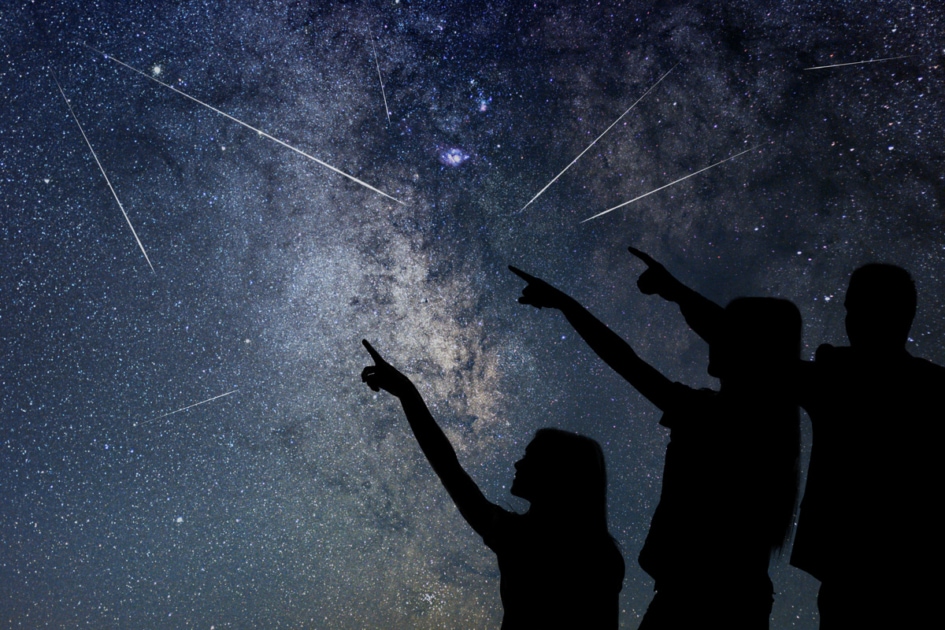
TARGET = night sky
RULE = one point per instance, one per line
(300, 498)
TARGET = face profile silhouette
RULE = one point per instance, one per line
(528, 473)
(563, 472)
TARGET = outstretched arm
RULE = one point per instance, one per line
(472, 504)
(702, 314)
(615, 352)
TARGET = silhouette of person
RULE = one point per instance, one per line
(558, 564)
(867, 522)
(731, 470)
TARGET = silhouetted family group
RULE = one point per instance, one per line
(867, 527)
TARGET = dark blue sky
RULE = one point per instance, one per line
(300, 500)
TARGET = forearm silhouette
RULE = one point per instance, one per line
(472, 504)
(702, 314)
(615, 352)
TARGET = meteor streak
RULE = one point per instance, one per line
(627, 203)
(248, 126)
(857, 63)
(548, 185)
(101, 168)
(202, 402)
(380, 78)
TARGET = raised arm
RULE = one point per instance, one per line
(615, 352)
(472, 504)
(702, 314)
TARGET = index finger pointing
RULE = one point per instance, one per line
(646, 258)
(374, 353)
(521, 274)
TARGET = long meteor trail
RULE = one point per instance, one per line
(248, 126)
(859, 63)
(548, 185)
(101, 168)
(202, 402)
(627, 203)
(380, 78)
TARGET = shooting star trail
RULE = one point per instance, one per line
(858, 63)
(101, 168)
(202, 402)
(627, 203)
(248, 126)
(379, 78)
(548, 185)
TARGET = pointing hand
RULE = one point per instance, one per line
(539, 293)
(655, 279)
(382, 375)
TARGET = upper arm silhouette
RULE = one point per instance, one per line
(702, 314)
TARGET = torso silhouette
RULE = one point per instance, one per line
(553, 579)
(874, 481)
(708, 530)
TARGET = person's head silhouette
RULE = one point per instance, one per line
(880, 304)
(564, 473)
(760, 341)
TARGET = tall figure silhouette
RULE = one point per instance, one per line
(870, 520)
(559, 567)
(869, 524)
(730, 475)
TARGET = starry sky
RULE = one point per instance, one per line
(297, 497)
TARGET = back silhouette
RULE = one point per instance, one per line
(558, 564)
(730, 477)
(868, 521)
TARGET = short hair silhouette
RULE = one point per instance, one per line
(875, 468)
(881, 304)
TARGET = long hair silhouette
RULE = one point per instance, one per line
(574, 476)
(761, 338)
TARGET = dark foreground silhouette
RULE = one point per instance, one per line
(559, 566)
(730, 477)
(869, 525)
